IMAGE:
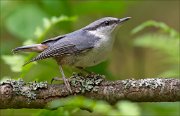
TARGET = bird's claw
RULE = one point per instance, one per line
(65, 80)
(67, 84)
(56, 79)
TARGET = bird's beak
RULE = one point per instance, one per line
(123, 19)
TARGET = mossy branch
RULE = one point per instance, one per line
(18, 94)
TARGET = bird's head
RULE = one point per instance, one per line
(105, 26)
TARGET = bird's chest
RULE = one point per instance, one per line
(96, 55)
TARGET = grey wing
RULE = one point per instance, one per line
(68, 45)
(53, 40)
(83, 40)
(54, 52)
(74, 43)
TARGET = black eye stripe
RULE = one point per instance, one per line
(102, 24)
(106, 22)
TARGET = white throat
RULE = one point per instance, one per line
(105, 39)
(99, 34)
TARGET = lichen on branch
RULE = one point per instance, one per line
(19, 94)
(19, 87)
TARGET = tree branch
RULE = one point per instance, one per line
(18, 94)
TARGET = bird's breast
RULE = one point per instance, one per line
(96, 55)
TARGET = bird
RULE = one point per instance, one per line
(82, 48)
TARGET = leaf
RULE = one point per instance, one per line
(28, 42)
(15, 62)
(74, 102)
(128, 108)
(56, 7)
(161, 25)
(163, 43)
(40, 33)
(55, 104)
(102, 107)
(77, 101)
(166, 43)
(24, 20)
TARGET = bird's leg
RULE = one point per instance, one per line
(66, 82)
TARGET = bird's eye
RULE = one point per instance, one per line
(106, 23)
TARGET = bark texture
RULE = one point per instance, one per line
(19, 94)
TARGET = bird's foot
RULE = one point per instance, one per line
(65, 80)
(56, 79)
(67, 84)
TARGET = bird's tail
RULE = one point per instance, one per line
(30, 48)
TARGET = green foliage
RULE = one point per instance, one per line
(72, 105)
(167, 43)
(165, 109)
(128, 108)
(20, 22)
(161, 25)
(25, 21)
(163, 43)
(98, 6)
(41, 32)
(56, 7)
(16, 61)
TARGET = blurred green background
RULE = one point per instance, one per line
(146, 46)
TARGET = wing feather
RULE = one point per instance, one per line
(54, 52)
(53, 40)
(70, 44)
